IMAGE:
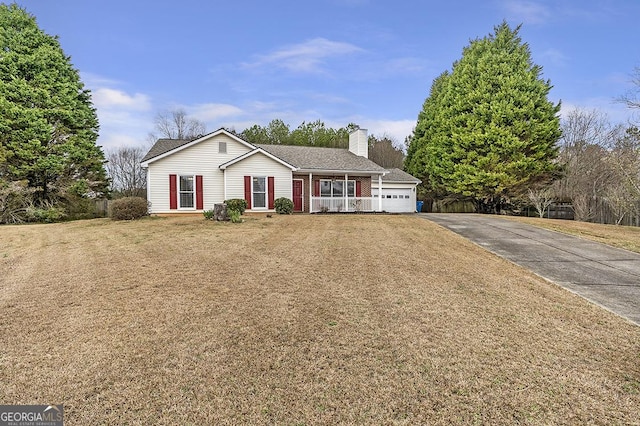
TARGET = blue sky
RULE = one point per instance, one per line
(243, 62)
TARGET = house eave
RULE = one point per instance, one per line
(339, 171)
(415, 182)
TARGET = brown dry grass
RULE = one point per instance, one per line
(626, 237)
(299, 320)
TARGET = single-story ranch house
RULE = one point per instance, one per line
(191, 176)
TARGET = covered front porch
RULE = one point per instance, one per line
(337, 193)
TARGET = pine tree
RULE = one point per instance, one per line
(48, 126)
(487, 130)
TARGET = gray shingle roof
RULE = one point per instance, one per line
(162, 146)
(302, 157)
(313, 158)
(397, 175)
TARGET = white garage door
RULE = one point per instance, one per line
(397, 200)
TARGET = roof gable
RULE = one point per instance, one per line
(165, 147)
(256, 151)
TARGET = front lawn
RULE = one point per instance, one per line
(355, 319)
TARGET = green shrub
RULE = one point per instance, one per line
(15, 198)
(237, 204)
(234, 215)
(284, 205)
(208, 214)
(129, 208)
(46, 214)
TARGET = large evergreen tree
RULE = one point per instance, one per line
(487, 129)
(48, 126)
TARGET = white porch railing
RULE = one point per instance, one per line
(341, 204)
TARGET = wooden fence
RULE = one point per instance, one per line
(603, 213)
(102, 207)
(600, 210)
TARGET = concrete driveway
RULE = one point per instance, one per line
(605, 275)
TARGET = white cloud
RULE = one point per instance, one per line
(112, 141)
(329, 98)
(306, 57)
(95, 80)
(262, 113)
(108, 98)
(262, 106)
(406, 65)
(527, 11)
(212, 112)
(397, 130)
(125, 118)
(554, 56)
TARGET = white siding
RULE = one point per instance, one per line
(200, 159)
(259, 165)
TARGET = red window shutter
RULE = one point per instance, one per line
(199, 195)
(247, 191)
(173, 192)
(316, 188)
(358, 188)
(271, 190)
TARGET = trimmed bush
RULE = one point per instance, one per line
(129, 208)
(237, 204)
(284, 205)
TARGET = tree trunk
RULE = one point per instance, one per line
(220, 212)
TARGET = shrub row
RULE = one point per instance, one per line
(237, 206)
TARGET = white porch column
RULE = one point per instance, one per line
(224, 183)
(346, 193)
(379, 193)
(310, 192)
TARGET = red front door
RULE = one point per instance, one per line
(297, 195)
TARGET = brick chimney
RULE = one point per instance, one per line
(358, 143)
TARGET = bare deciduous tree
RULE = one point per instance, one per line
(127, 175)
(602, 168)
(632, 98)
(541, 198)
(623, 194)
(176, 124)
(585, 134)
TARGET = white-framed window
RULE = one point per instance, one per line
(335, 188)
(187, 191)
(259, 192)
(222, 147)
(351, 188)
